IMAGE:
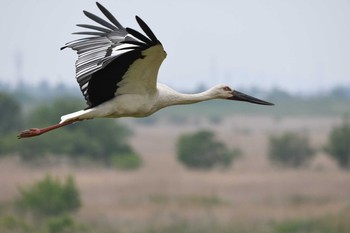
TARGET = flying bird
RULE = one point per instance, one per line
(117, 71)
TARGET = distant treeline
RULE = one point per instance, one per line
(335, 102)
(43, 89)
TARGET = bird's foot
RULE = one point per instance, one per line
(29, 133)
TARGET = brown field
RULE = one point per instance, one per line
(163, 192)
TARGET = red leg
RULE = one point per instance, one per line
(36, 132)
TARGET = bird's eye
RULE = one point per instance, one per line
(227, 89)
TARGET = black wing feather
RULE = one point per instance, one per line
(93, 27)
(133, 42)
(139, 36)
(109, 16)
(89, 33)
(99, 20)
(146, 29)
(104, 58)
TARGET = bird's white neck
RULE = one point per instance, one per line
(169, 96)
(193, 98)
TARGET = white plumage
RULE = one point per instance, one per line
(117, 71)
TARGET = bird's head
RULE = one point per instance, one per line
(225, 92)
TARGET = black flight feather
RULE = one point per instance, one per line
(109, 16)
(101, 29)
(99, 20)
(146, 29)
(102, 61)
(89, 33)
(139, 36)
(133, 42)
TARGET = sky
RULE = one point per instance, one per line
(296, 45)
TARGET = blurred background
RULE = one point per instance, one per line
(217, 166)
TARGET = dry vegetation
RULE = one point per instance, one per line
(251, 194)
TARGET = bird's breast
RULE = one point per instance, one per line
(131, 106)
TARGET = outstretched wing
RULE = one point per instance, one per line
(115, 60)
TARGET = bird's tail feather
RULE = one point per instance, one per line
(79, 115)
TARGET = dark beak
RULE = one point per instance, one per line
(239, 96)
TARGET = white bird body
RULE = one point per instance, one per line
(117, 71)
(143, 105)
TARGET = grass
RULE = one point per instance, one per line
(337, 223)
(192, 200)
(299, 200)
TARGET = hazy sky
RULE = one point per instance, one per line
(299, 45)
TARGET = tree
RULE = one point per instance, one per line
(338, 145)
(202, 150)
(10, 114)
(10, 122)
(50, 197)
(290, 150)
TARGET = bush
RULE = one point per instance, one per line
(50, 197)
(62, 224)
(339, 145)
(56, 224)
(10, 122)
(10, 114)
(201, 150)
(8, 144)
(128, 161)
(290, 150)
(11, 224)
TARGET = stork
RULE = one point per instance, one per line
(117, 71)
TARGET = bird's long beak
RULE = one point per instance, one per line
(239, 96)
